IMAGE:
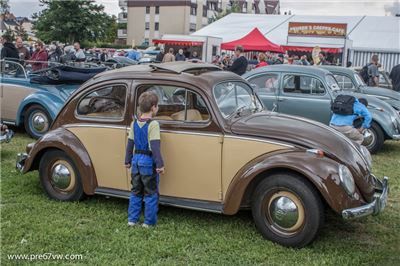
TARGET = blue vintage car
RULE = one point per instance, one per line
(349, 80)
(309, 91)
(29, 104)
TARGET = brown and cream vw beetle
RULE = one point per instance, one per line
(222, 151)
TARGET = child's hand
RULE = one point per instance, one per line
(128, 165)
(160, 170)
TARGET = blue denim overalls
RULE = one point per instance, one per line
(144, 179)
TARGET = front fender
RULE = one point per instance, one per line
(50, 102)
(384, 120)
(322, 172)
(64, 140)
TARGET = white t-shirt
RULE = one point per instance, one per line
(79, 54)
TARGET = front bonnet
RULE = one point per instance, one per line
(307, 134)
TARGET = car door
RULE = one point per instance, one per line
(266, 86)
(14, 88)
(102, 129)
(304, 95)
(191, 143)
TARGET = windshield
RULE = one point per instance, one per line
(332, 83)
(234, 97)
(359, 80)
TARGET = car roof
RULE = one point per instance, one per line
(200, 74)
(338, 69)
(289, 68)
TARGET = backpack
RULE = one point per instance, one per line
(364, 73)
(343, 105)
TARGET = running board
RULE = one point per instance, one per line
(199, 205)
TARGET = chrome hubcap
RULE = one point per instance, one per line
(61, 176)
(369, 138)
(284, 212)
(40, 122)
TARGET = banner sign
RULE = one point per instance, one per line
(317, 29)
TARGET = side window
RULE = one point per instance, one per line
(344, 82)
(12, 69)
(108, 102)
(303, 85)
(266, 83)
(178, 104)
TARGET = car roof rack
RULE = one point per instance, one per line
(187, 67)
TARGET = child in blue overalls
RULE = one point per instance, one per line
(144, 157)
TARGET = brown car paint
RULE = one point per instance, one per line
(312, 135)
(64, 140)
(321, 172)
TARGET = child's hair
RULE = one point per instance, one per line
(363, 101)
(147, 100)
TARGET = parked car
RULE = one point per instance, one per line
(28, 104)
(119, 61)
(309, 92)
(384, 79)
(33, 99)
(223, 152)
(350, 80)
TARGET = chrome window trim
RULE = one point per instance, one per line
(203, 122)
(103, 118)
(296, 93)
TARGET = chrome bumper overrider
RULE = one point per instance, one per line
(21, 157)
(375, 207)
(396, 137)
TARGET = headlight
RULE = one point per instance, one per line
(367, 156)
(346, 180)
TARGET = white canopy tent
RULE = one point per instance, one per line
(365, 34)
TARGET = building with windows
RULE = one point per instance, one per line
(148, 20)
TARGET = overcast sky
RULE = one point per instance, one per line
(310, 7)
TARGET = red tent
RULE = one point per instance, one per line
(253, 41)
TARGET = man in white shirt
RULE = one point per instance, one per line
(79, 54)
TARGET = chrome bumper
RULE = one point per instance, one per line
(375, 207)
(21, 158)
(396, 137)
(7, 136)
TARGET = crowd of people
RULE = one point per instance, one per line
(41, 56)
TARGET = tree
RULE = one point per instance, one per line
(20, 31)
(112, 30)
(73, 20)
(234, 8)
(9, 33)
(4, 7)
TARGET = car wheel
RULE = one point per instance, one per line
(375, 142)
(37, 121)
(287, 210)
(59, 176)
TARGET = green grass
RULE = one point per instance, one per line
(96, 228)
